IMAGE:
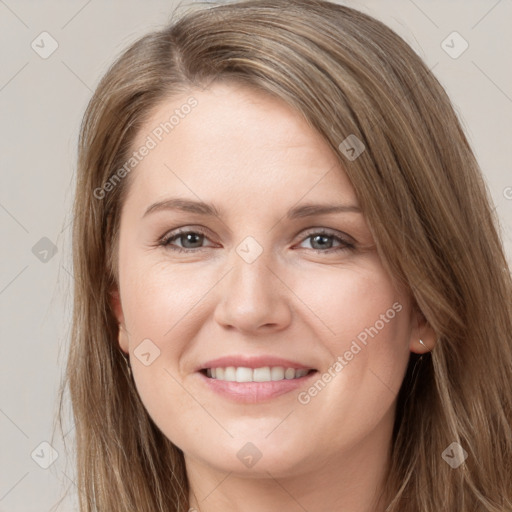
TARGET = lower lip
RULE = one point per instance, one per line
(254, 392)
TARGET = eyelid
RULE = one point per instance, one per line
(327, 231)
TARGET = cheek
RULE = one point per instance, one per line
(160, 317)
(159, 299)
(353, 303)
(364, 323)
(164, 313)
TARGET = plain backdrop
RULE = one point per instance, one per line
(42, 99)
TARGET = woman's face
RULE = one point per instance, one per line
(268, 282)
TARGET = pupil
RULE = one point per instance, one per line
(190, 238)
(320, 237)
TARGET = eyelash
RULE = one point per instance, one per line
(166, 239)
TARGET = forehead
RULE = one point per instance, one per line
(237, 142)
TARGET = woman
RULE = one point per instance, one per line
(290, 293)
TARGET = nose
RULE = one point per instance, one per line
(253, 298)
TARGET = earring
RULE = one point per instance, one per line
(421, 341)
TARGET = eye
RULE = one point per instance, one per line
(191, 240)
(323, 240)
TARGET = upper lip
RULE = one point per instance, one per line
(252, 362)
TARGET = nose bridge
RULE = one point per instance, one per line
(251, 280)
(252, 295)
(251, 268)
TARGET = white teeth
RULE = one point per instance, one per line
(277, 373)
(261, 374)
(230, 373)
(264, 374)
(289, 373)
(243, 374)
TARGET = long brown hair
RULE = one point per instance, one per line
(423, 197)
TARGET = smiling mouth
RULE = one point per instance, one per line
(263, 374)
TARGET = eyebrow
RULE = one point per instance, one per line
(202, 208)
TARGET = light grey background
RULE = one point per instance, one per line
(41, 104)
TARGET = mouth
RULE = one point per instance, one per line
(242, 374)
(253, 383)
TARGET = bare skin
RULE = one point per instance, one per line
(307, 297)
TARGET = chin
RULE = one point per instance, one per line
(256, 456)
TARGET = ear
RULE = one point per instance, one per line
(117, 308)
(421, 330)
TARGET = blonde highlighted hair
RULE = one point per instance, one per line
(423, 197)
